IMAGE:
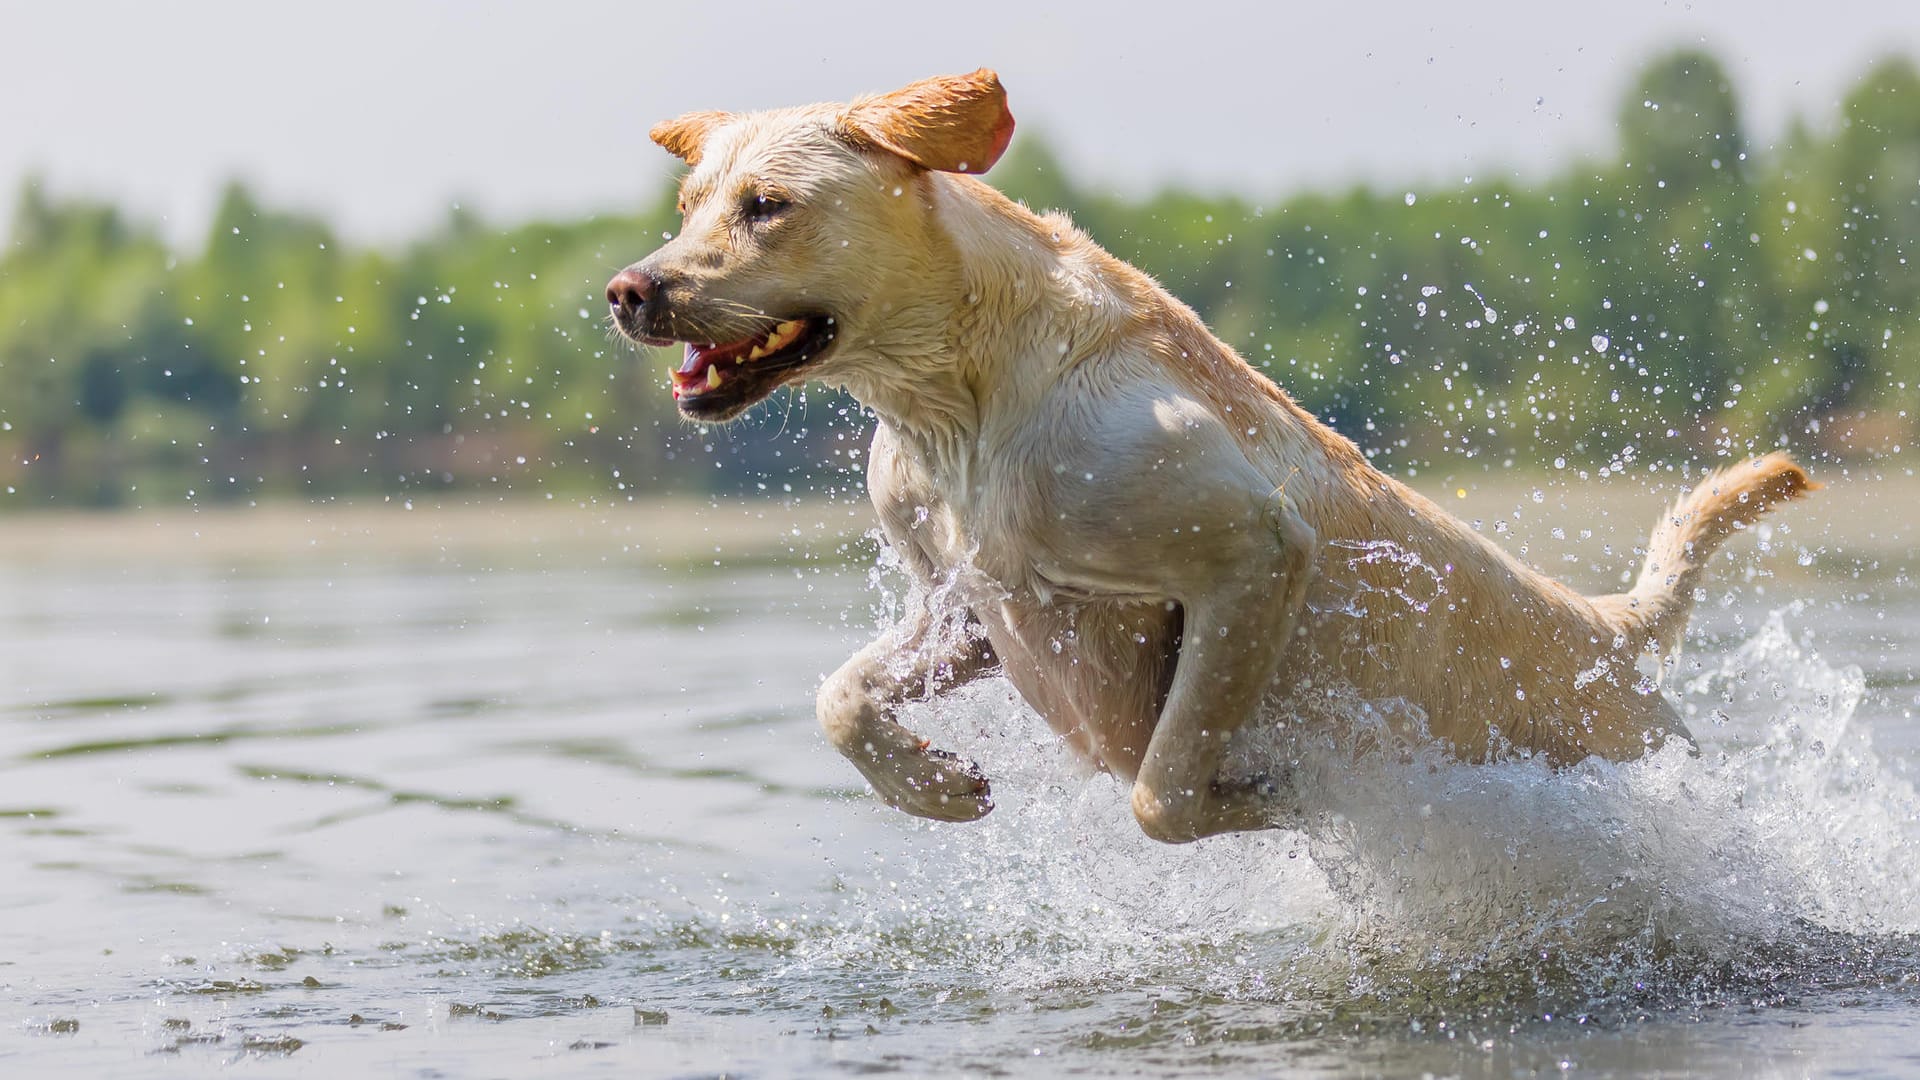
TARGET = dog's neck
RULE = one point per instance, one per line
(1031, 297)
(1034, 298)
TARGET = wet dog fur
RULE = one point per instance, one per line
(1146, 533)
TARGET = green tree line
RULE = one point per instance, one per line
(1692, 295)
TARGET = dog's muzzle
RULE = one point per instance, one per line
(633, 299)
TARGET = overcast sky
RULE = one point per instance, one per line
(382, 113)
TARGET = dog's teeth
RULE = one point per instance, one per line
(773, 339)
(788, 328)
(713, 378)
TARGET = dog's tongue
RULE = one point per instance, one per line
(707, 366)
(693, 376)
(700, 357)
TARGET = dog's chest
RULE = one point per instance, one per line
(1095, 668)
(983, 530)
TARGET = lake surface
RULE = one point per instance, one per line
(439, 811)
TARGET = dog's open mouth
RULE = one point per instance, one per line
(716, 382)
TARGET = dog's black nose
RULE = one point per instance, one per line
(629, 292)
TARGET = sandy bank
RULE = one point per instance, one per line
(1583, 531)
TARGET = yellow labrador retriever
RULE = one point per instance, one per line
(1146, 532)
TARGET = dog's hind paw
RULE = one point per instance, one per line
(1261, 801)
(936, 784)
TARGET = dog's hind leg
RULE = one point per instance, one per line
(1231, 646)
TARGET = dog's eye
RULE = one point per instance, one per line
(763, 207)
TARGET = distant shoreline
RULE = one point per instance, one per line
(658, 529)
(1865, 513)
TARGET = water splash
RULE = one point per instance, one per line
(1397, 573)
(1783, 849)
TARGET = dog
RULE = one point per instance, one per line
(1146, 533)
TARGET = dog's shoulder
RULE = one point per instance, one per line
(897, 480)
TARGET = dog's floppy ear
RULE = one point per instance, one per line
(950, 123)
(684, 135)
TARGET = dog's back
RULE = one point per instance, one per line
(1409, 602)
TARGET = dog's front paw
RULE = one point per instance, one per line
(935, 784)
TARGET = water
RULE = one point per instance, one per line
(542, 808)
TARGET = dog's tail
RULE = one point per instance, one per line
(1656, 611)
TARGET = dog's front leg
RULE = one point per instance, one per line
(855, 707)
(1234, 636)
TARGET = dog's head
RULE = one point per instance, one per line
(805, 236)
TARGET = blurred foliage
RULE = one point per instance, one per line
(1693, 298)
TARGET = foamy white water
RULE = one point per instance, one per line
(1777, 852)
